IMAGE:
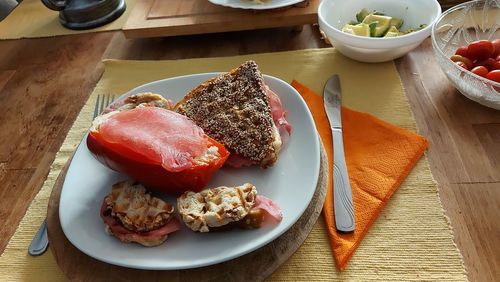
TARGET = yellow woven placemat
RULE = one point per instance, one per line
(31, 19)
(411, 240)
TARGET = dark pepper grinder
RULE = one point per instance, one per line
(86, 14)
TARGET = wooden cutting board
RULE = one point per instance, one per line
(254, 266)
(156, 18)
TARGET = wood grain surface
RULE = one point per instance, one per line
(258, 264)
(464, 154)
(155, 18)
(44, 83)
(445, 4)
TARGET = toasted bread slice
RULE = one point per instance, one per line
(146, 99)
(136, 209)
(234, 109)
(131, 214)
(213, 208)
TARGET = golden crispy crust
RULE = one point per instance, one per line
(213, 208)
(234, 109)
(146, 99)
(131, 205)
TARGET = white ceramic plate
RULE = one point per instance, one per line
(248, 4)
(291, 183)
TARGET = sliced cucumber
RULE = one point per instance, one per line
(362, 15)
(373, 28)
(383, 24)
(359, 29)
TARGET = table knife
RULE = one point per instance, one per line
(342, 195)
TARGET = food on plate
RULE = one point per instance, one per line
(240, 111)
(140, 100)
(224, 207)
(481, 58)
(157, 147)
(377, 24)
(133, 215)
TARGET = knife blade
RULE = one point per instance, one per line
(342, 195)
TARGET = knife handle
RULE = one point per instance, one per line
(342, 195)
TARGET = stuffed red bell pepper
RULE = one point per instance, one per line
(157, 147)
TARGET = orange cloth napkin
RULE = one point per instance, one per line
(379, 156)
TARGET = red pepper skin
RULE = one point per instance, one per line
(154, 175)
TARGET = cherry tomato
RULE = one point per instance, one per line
(462, 51)
(459, 58)
(497, 58)
(488, 63)
(496, 45)
(495, 66)
(494, 75)
(463, 65)
(481, 71)
(481, 49)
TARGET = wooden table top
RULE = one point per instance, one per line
(45, 82)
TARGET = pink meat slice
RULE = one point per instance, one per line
(159, 135)
(119, 231)
(269, 206)
(113, 106)
(278, 112)
(237, 161)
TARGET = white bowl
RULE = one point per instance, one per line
(334, 14)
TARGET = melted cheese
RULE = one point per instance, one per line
(137, 210)
(216, 207)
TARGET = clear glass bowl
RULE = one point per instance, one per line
(459, 26)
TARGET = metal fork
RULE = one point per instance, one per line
(99, 109)
(40, 242)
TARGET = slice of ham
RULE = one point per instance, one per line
(167, 138)
(278, 112)
(236, 161)
(151, 238)
(113, 106)
(270, 207)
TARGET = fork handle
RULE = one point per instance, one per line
(40, 242)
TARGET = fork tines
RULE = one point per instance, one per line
(102, 102)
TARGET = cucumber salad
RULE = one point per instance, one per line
(377, 24)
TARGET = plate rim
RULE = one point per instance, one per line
(137, 89)
(238, 5)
